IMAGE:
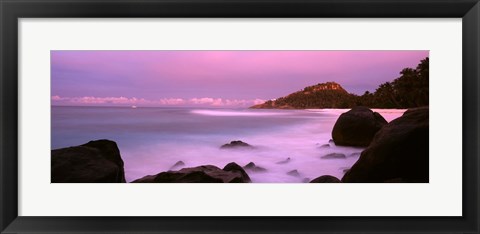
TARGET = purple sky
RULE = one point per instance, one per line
(214, 78)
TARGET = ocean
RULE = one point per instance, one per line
(152, 139)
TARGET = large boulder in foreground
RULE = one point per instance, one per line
(399, 152)
(232, 173)
(95, 162)
(357, 127)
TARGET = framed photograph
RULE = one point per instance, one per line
(226, 116)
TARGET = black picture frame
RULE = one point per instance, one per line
(11, 11)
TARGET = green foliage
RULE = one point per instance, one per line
(319, 99)
(407, 91)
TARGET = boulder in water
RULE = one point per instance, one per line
(324, 146)
(293, 173)
(284, 161)
(356, 154)
(357, 127)
(334, 156)
(236, 145)
(252, 167)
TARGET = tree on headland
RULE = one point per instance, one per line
(408, 90)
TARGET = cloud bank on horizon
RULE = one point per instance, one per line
(214, 102)
(214, 78)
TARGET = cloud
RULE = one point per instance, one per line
(258, 101)
(56, 98)
(119, 101)
(100, 100)
(208, 101)
(170, 101)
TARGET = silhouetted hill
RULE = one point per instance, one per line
(324, 95)
(407, 91)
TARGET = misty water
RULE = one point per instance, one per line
(152, 140)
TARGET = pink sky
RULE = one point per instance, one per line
(214, 78)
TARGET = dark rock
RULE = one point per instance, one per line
(252, 167)
(145, 179)
(326, 179)
(177, 164)
(236, 145)
(233, 167)
(284, 161)
(232, 173)
(357, 127)
(331, 141)
(399, 150)
(293, 173)
(324, 146)
(188, 176)
(94, 162)
(334, 156)
(395, 180)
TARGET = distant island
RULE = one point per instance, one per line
(407, 91)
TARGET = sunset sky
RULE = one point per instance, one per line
(214, 78)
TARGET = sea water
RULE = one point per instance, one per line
(151, 140)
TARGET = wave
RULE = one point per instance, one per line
(388, 114)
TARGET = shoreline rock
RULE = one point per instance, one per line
(97, 161)
(357, 127)
(233, 167)
(398, 152)
(231, 173)
(326, 179)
